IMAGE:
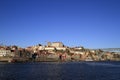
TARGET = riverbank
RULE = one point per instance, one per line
(17, 60)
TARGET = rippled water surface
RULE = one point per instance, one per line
(60, 71)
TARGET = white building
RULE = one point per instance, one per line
(79, 48)
(77, 52)
(4, 52)
(49, 48)
(93, 51)
(61, 48)
(41, 48)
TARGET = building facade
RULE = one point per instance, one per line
(55, 44)
(4, 52)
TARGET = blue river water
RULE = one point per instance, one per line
(60, 71)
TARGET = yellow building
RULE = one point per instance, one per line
(55, 44)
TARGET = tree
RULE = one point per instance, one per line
(39, 44)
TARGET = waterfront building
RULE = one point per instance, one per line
(4, 52)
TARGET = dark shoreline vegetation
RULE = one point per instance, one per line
(52, 60)
(59, 62)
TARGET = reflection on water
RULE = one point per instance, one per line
(60, 71)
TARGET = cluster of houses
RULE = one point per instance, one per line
(49, 47)
(55, 51)
(7, 51)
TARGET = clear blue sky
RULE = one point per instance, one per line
(90, 23)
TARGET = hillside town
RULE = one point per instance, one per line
(54, 51)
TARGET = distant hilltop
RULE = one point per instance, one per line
(110, 49)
